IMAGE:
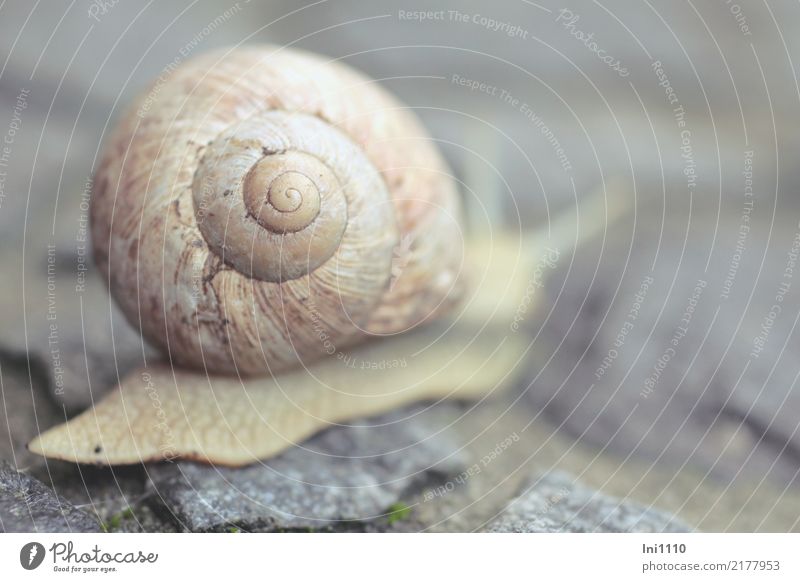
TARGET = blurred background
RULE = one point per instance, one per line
(665, 366)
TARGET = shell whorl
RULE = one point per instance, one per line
(271, 194)
(284, 200)
(249, 212)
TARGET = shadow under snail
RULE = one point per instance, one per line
(285, 231)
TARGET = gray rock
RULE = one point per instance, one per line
(618, 382)
(556, 502)
(25, 408)
(118, 497)
(27, 505)
(347, 478)
(79, 343)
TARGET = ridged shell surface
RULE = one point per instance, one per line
(261, 207)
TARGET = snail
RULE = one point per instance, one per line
(264, 216)
(261, 198)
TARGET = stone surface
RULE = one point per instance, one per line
(346, 478)
(556, 502)
(25, 408)
(633, 375)
(78, 341)
(27, 505)
(119, 498)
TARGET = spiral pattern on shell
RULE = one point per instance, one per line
(271, 197)
(249, 210)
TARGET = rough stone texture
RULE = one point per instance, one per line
(78, 341)
(118, 497)
(344, 479)
(27, 505)
(714, 406)
(25, 408)
(556, 502)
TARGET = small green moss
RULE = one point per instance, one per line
(234, 529)
(398, 512)
(115, 520)
(112, 524)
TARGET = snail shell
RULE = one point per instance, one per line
(262, 207)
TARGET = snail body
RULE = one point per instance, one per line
(261, 199)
